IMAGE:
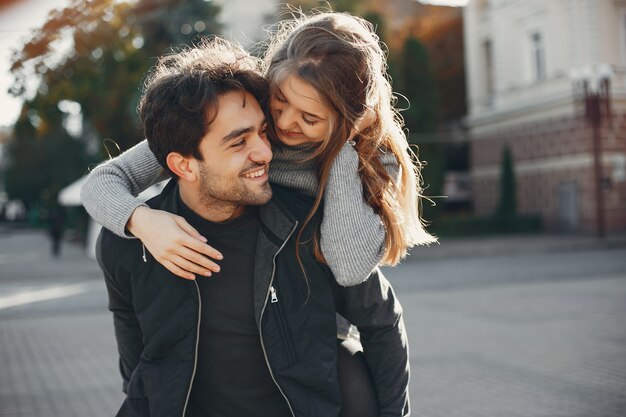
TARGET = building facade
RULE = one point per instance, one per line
(535, 71)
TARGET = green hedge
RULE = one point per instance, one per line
(480, 226)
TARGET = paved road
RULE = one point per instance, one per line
(532, 333)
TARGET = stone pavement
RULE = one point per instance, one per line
(57, 351)
(555, 349)
(523, 326)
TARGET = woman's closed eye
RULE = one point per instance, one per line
(309, 122)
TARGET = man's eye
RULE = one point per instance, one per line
(238, 143)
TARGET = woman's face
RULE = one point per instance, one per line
(299, 113)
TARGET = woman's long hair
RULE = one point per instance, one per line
(341, 57)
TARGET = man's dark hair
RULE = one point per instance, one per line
(180, 94)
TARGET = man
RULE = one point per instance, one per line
(259, 339)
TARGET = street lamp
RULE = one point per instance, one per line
(592, 86)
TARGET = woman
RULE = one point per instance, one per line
(336, 137)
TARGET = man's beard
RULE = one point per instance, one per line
(217, 190)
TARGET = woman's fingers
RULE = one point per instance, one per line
(182, 266)
(195, 243)
(193, 256)
(189, 229)
(174, 243)
(174, 269)
(190, 267)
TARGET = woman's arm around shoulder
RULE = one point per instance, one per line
(109, 197)
(109, 194)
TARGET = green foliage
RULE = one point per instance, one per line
(167, 23)
(507, 206)
(485, 226)
(417, 83)
(112, 45)
(431, 154)
(38, 168)
(414, 80)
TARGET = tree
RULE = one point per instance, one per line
(37, 165)
(507, 206)
(112, 46)
(167, 23)
(417, 83)
(414, 80)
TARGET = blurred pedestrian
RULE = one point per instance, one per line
(56, 229)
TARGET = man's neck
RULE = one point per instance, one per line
(215, 211)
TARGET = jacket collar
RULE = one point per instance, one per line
(276, 219)
(277, 225)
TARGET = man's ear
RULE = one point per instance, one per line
(184, 167)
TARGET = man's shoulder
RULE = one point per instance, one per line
(118, 249)
(113, 250)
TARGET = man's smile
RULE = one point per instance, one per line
(256, 173)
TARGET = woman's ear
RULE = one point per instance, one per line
(183, 167)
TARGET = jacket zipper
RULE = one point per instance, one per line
(274, 297)
(284, 331)
(195, 358)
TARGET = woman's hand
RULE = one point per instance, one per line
(173, 242)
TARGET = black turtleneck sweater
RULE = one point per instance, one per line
(232, 376)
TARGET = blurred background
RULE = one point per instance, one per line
(517, 107)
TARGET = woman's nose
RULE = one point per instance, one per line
(284, 119)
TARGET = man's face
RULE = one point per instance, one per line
(236, 154)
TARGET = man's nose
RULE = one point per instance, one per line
(262, 151)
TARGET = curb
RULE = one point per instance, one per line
(483, 247)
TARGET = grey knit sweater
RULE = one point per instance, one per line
(352, 235)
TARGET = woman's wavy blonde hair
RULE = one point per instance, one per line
(341, 57)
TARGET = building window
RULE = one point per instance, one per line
(488, 59)
(538, 56)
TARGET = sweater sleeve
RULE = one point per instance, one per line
(352, 234)
(109, 194)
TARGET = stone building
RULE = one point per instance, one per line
(533, 69)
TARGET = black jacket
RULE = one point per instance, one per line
(156, 319)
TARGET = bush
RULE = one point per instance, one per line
(482, 226)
